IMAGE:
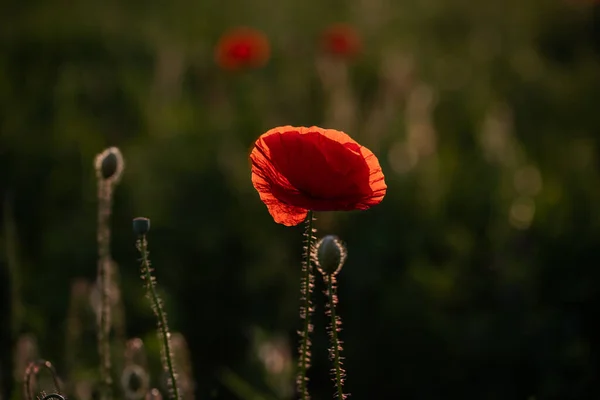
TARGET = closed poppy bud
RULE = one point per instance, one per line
(134, 381)
(329, 255)
(109, 164)
(141, 225)
(53, 396)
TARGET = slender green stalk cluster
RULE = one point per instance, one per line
(306, 308)
(109, 167)
(32, 373)
(329, 256)
(141, 227)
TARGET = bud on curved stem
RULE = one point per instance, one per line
(109, 167)
(157, 307)
(329, 257)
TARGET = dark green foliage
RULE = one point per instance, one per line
(474, 279)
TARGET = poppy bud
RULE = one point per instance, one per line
(109, 164)
(55, 396)
(134, 381)
(329, 255)
(141, 225)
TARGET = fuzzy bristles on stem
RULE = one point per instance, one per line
(161, 317)
(329, 257)
(334, 328)
(306, 309)
(109, 167)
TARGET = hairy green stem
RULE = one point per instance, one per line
(306, 309)
(103, 284)
(335, 342)
(160, 315)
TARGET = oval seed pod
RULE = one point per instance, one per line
(329, 255)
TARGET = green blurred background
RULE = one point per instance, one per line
(476, 278)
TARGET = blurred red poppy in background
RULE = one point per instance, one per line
(341, 40)
(242, 48)
(296, 169)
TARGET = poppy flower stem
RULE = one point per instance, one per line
(161, 316)
(109, 167)
(336, 344)
(103, 282)
(306, 309)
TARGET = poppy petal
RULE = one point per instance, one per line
(282, 213)
(314, 169)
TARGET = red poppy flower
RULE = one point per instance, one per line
(341, 40)
(296, 169)
(242, 48)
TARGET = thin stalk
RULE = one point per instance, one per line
(161, 316)
(109, 167)
(336, 345)
(31, 373)
(103, 284)
(306, 309)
